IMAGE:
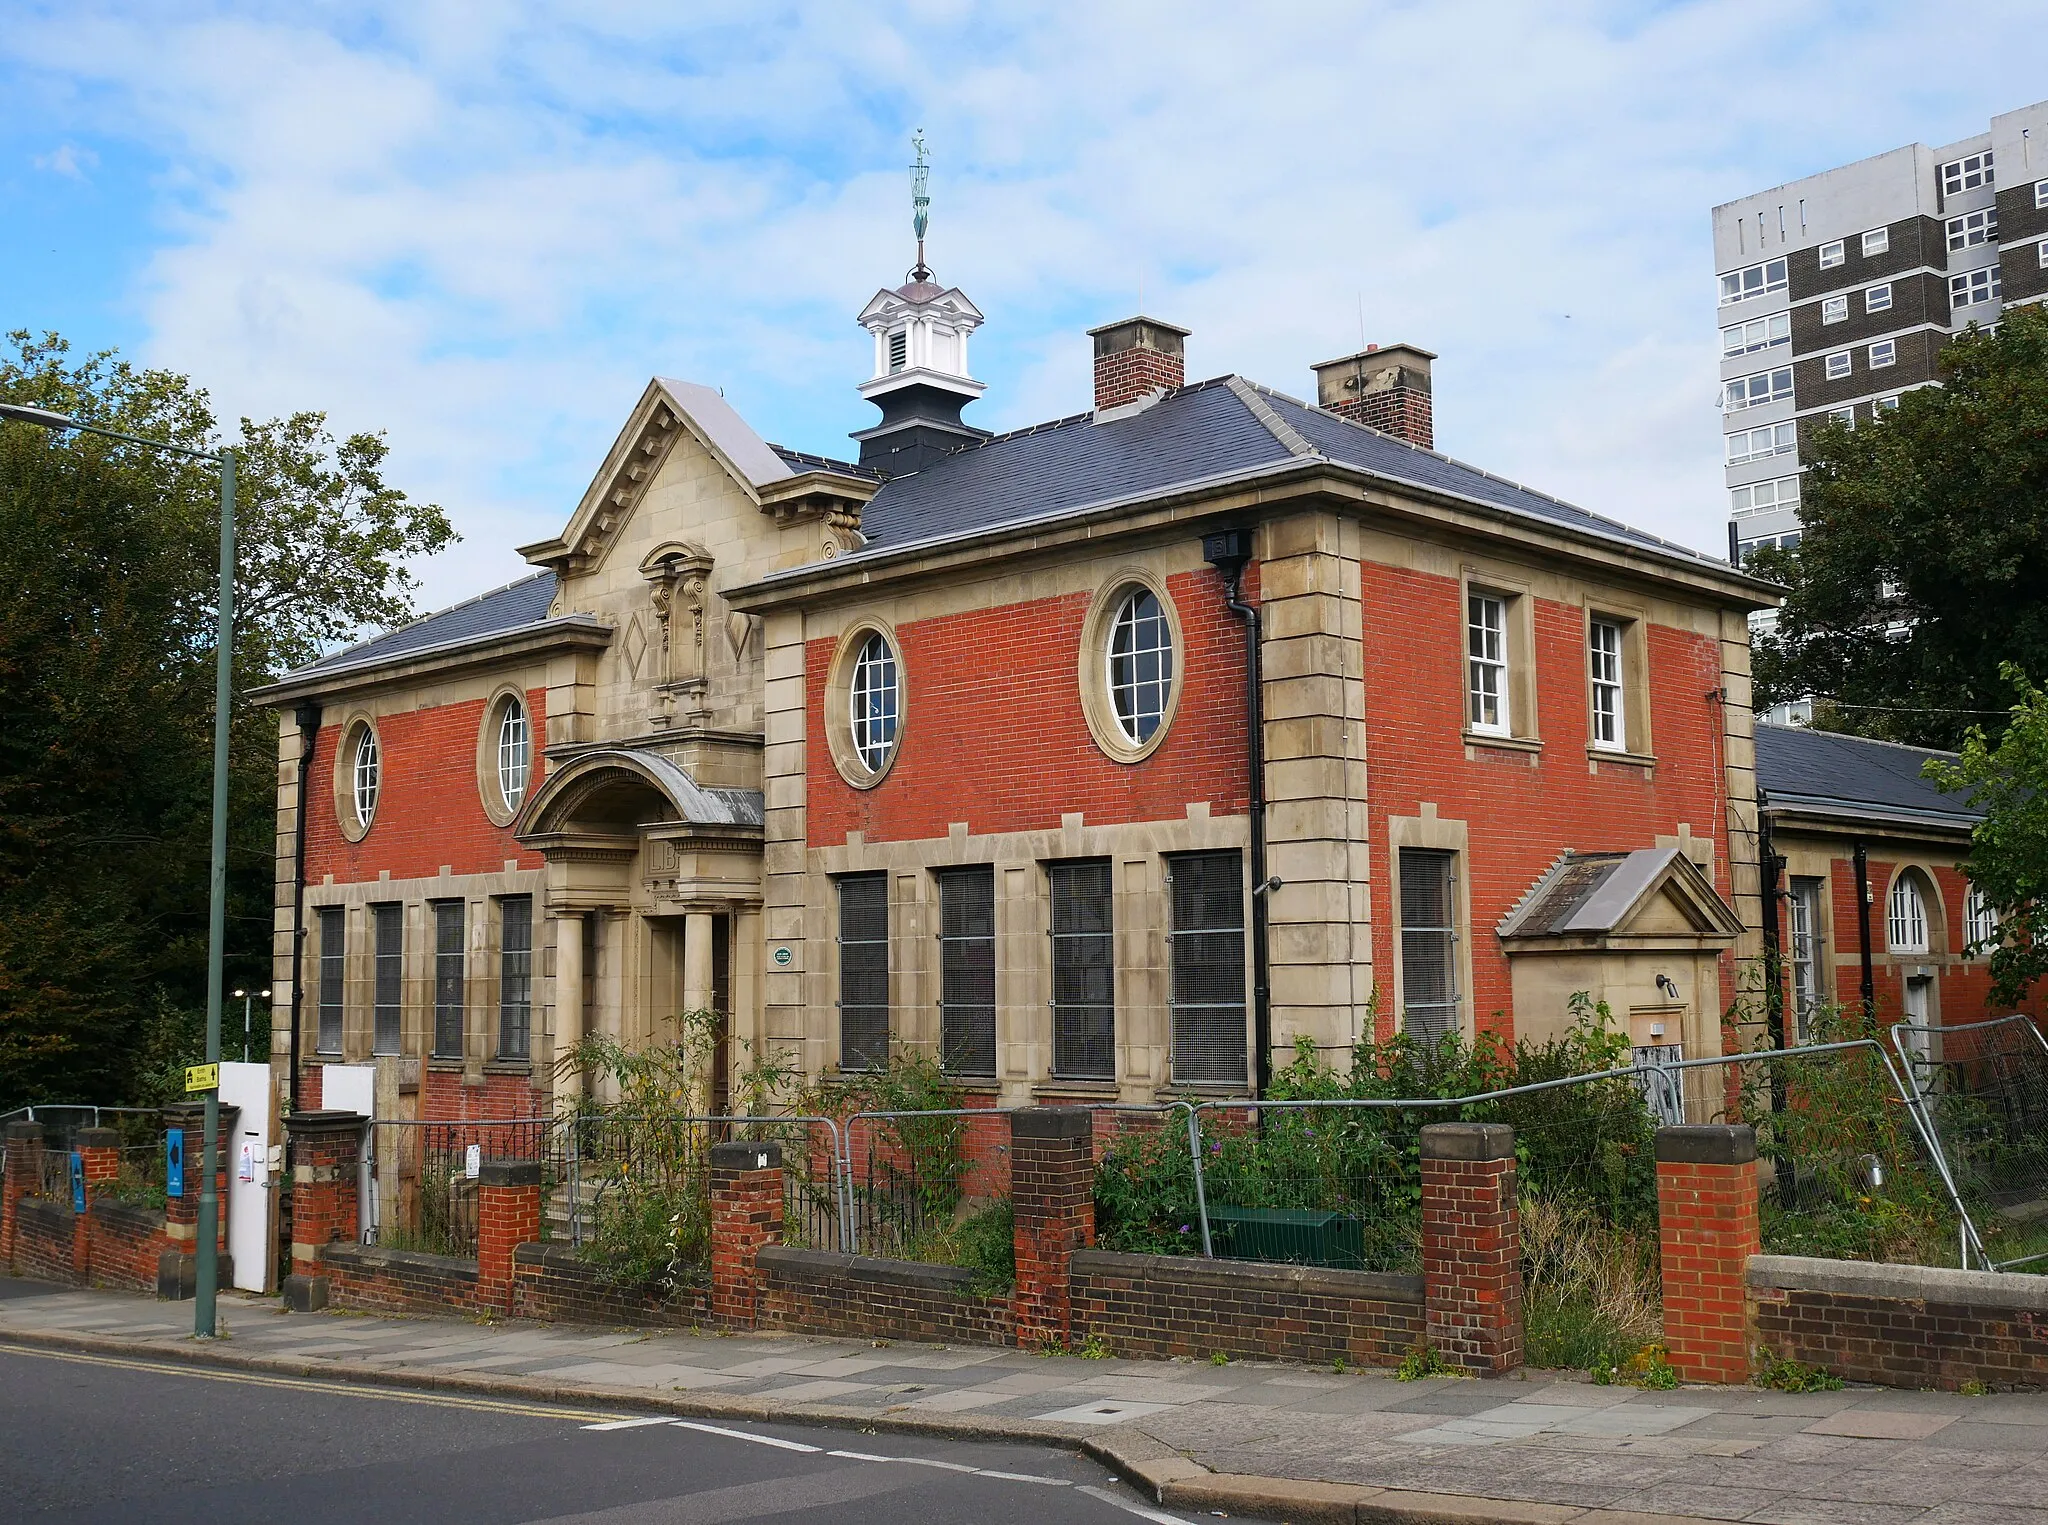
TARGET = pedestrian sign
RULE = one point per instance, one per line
(202, 1077)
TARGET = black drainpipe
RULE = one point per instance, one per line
(1228, 551)
(308, 717)
(1863, 929)
(1774, 947)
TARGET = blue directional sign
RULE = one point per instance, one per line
(174, 1162)
(77, 1182)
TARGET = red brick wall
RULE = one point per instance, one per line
(444, 1098)
(552, 1282)
(428, 810)
(398, 1281)
(1707, 1230)
(1962, 987)
(45, 1240)
(1520, 817)
(827, 1293)
(1017, 755)
(1130, 374)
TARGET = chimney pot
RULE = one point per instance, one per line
(1386, 388)
(1135, 358)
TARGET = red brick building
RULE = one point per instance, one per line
(1103, 758)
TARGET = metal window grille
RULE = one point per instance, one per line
(1605, 653)
(875, 702)
(515, 976)
(1429, 943)
(863, 972)
(513, 754)
(1806, 954)
(1486, 633)
(1140, 664)
(1083, 971)
(388, 996)
(967, 970)
(1207, 989)
(448, 979)
(368, 775)
(1906, 923)
(333, 969)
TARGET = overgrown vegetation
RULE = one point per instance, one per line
(1785, 1375)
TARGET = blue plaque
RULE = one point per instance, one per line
(174, 1162)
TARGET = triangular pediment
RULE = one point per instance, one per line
(1654, 894)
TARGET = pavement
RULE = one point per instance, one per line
(1247, 1438)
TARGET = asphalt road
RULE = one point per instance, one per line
(89, 1438)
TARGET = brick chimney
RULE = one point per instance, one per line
(1387, 388)
(1134, 359)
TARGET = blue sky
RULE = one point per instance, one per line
(480, 228)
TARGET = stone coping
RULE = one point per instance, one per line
(46, 1207)
(1240, 1275)
(818, 1265)
(370, 1258)
(128, 1214)
(1920, 1284)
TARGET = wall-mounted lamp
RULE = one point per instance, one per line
(1669, 987)
(1272, 884)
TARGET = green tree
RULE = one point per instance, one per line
(1923, 563)
(2007, 779)
(108, 559)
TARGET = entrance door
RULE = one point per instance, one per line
(1917, 1036)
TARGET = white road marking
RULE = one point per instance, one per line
(760, 1440)
(1023, 1477)
(860, 1456)
(1133, 1507)
(626, 1424)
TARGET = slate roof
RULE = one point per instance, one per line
(521, 603)
(1211, 429)
(1823, 770)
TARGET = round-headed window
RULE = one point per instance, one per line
(1906, 923)
(1140, 665)
(514, 753)
(366, 774)
(875, 702)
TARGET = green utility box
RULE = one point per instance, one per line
(1302, 1236)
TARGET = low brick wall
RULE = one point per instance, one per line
(43, 1242)
(823, 1292)
(552, 1282)
(126, 1240)
(1169, 1305)
(1903, 1326)
(396, 1281)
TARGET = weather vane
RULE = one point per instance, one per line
(920, 199)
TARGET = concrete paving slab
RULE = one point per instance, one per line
(1881, 1424)
(960, 1401)
(767, 1366)
(1450, 1395)
(1102, 1411)
(1695, 1501)
(1836, 1512)
(816, 1392)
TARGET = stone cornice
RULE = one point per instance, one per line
(493, 648)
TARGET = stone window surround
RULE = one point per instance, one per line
(482, 968)
(838, 700)
(354, 726)
(1428, 830)
(500, 811)
(1097, 706)
(1637, 746)
(1808, 863)
(1137, 852)
(1932, 905)
(1524, 732)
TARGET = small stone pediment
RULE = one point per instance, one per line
(1653, 896)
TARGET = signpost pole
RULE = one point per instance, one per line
(208, 1268)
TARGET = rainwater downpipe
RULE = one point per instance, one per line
(1862, 859)
(1229, 551)
(308, 718)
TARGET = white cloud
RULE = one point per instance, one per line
(68, 160)
(482, 228)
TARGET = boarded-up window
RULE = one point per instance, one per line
(863, 972)
(1083, 971)
(1208, 968)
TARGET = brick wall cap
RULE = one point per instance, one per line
(746, 1154)
(96, 1138)
(370, 1258)
(1706, 1144)
(318, 1124)
(24, 1133)
(1171, 1271)
(779, 1261)
(1051, 1122)
(191, 1116)
(555, 1256)
(133, 1215)
(1920, 1284)
(1468, 1141)
(508, 1173)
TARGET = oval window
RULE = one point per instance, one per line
(366, 776)
(1140, 665)
(875, 702)
(514, 753)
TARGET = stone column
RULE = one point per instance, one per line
(1052, 1189)
(24, 1170)
(326, 1147)
(1472, 1245)
(1707, 1229)
(697, 993)
(568, 1002)
(746, 1213)
(507, 1216)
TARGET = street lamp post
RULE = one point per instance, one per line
(208, 1266)
(248, 1000)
